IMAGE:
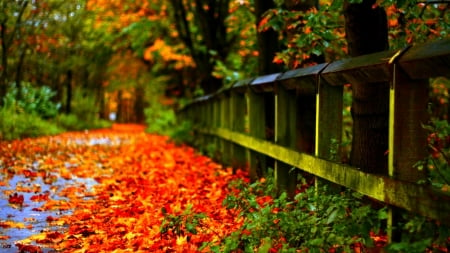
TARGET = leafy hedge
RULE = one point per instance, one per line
(29, 111)
(15, 125)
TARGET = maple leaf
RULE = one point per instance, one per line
(16, 199)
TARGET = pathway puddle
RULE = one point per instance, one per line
(20, 220)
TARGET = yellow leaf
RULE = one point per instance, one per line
(181, 240)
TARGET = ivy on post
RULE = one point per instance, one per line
(256, 107)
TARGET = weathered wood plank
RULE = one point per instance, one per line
(362, 69)
(427, 60)
(304, 80)
(409, 196)
(242, 85)
(264, 83)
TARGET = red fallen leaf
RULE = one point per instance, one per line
(264, 200)
(29, 173)
(28, 248)
(39, 197)
(54, 235)
(51, 219)
(16, 199)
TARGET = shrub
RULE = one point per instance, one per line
(314, 221)
(437, 163)
(32, 100)
(84, 115)
(317, 220)
(162, 120)
(73, 123)
(14, 125)
(84, 107)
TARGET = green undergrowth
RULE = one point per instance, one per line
(316, 220)
(15, 125)
(18, 125)
(162, 120)
(29, 111)
(72, 122)
(320, 220)
(313, 221)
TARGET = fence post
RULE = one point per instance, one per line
(329, 102)
(199, 110)
(225, 106)
(216, 124)
(256, 128)
(261, 116)
(238, 114)
(408, 100)
(285, 135)
(208, 141)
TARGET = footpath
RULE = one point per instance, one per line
(110, 190)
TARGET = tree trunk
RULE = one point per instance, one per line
(69, 92)
(268, 43)
(19, 73)
(139, 104)
(366, 31)
(120, 112)
(4, 63)
(209, 83)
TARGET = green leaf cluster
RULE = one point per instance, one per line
(32, 100)
(162, 120)
(437, 163)
(314, 221)
(419, 234)
(182, 224)
(15, 125)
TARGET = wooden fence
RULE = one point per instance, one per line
(307, 122)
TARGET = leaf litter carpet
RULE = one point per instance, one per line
(108, 191)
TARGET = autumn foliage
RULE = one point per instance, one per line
(140, 181)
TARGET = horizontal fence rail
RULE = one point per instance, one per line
(306, 118)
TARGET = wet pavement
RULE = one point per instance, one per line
(18, 222)
(24, 197)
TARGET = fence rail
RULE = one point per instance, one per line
(307, 122)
